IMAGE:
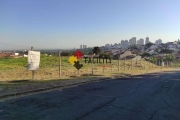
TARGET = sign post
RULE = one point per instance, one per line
(33, 72)
(33, 61)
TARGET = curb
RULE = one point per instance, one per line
(13, 95)
(35, 91)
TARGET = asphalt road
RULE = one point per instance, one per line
(147, 97)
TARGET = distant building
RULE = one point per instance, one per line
(140, 42)
(147, 40)
(158, 42)
(84, 46)
(126, 42)
(81, 47)
(132, 41)
(124, 46)
(107, 46)
(116, 45)
(122, 42)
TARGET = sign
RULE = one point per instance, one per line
(33, 60)
(78, 54)
(74, 60)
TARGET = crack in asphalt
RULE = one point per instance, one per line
(101, 96)
(153, 115)
(139, 87)
(96, 109)
(127, 109)
(168, 105)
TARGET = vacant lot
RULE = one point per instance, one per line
(15, 68)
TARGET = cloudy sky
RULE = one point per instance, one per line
(69, 23)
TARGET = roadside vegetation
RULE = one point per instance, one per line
(15, 68)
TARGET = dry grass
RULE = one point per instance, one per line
(49, 69)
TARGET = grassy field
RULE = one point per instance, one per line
(15, 68)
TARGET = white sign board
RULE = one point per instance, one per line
(33, 60)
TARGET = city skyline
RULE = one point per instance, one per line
(68, 23)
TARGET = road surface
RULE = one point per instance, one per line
(145, 97)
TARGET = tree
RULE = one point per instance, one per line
(170, 57)
(148, 45)
(166, 51)
(96, 50)
(145, 55)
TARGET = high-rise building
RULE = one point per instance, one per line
(158, 42)
(81, 47)
(122, 41)
(132, 41)
(147, 40)
(84, 46)
(126, 42)
(140, 42)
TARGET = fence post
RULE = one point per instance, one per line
(33, 72)
(118, 62)
(103, 64)
(156, 63)
(124, 64)
(111, 64)
(92, 64)
(59, 63)
(131, 64)
(149, 64)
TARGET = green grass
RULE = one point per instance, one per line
(15, 68)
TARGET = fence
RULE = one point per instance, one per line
(15, 68)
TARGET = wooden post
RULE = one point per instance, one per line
(124, 64)
(144, 65)
(131, 64)
(103, 64)
(156, 63)
(92, 64)
(136, 63)
(59, 63)
(118, 62)
(33, 72)
(149, 64)
(111, 64)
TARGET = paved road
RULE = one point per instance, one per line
(147, 97)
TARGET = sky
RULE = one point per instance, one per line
(65, 24)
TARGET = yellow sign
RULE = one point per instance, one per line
(73, 59)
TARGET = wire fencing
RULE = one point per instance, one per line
(16, 68)
(13, 65)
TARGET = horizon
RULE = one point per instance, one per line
(67, 24)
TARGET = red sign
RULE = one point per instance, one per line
(78, 54)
